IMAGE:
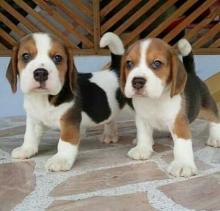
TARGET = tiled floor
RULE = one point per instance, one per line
(103, 177)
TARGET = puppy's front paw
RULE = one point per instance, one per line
(107, 139)
(59, 163)
(139, 153)
(23, 152)
(213, 142)
(180, 169)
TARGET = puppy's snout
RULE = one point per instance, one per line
(40, 74)
(138, 82)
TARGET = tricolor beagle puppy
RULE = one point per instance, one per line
(166, 96)
(55, 96)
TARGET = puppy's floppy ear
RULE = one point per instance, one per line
(122, 74)
(71, 71)
(178, 75)
(12, 70)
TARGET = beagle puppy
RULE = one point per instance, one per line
(57, 97)
(166, 96)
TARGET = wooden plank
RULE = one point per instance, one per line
(118, 15)
(148, 21)
(189, 19)
(135, 16)
(207, 51)
(44, 21)
(2, 47)
(96, 24)
(201, 25)
(215, 44)
(109, 7)
(170, 20)
(204, 39)
(7, 37)
(213, 83)
(83, 8)
(68, 26)
(73, 16)
(18, 16)
(11, 25)
(5, 53)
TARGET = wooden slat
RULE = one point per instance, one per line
(2, 47)
(18, 16)
(96, 24)
(73, 16)
(204, 39)
(196, 13)
(43, 21)
(109, 7)
(135, 16)
(68, 26)
(213, 83)
(119, 15)
(206, 51)
(7, 37)
(148, 21)
(201, 25)
(11, 25)
(169, 20)
(83, 8)
(215, 44)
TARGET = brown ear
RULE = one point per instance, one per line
(122, 75)
(71, 71)
(12, 70)
(178, 76)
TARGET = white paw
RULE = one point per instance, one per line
(213, 142)
(59, 163)
(134, 141)
(107, 139)
(139, 153)
(179, 169)
(23, 152)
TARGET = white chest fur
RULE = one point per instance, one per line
(159, 113)
(39, 108)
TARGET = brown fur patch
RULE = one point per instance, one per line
(159, 50)
(209, 115)
(70, 126)
(181, 126)
(132, 54)
(27, 45)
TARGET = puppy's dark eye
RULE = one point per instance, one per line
(156, 64)
(57, 59)
(129, 65)
(26, 57)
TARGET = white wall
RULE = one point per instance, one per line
(12, 105)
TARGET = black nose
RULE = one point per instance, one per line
(138, 82)
(40, 74)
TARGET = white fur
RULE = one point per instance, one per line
(110, 134)
(64, 158)
(41, 60)
(154, 86)
(183, 163)
(113, 42)
(184, 47)
(214, 134)
(33, 133)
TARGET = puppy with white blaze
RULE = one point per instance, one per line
(167, 96)
(56, 96)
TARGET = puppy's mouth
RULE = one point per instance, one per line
(140, 93)
(41, 87)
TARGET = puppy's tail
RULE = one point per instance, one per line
(116, 47)
(185, 50)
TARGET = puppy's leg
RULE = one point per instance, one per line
(67, 149)
(144, 147)
(210, 113)
(183, 163)
(32, 137)
(110, 134)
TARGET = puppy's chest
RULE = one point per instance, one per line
(42, 111)
(160, 114)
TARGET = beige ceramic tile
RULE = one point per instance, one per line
(197, 193)
(16, 181)
(109, 178)
(128, 202)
